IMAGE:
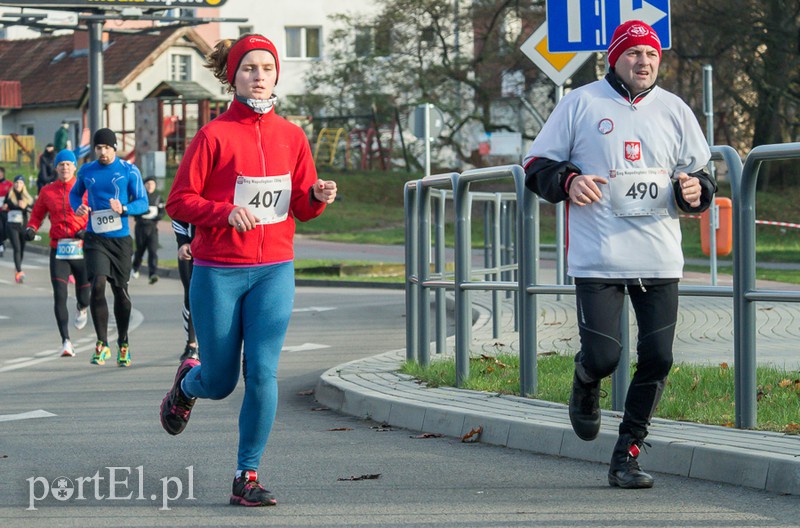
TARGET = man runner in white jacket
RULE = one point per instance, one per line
(627, 155)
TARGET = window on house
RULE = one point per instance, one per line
(511, 28)
(303, 43)
(244, 30)
(373, 41)
(363, 41)
(428, 35)
(27, 130)
(180, 67)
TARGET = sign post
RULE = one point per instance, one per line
(426, 122)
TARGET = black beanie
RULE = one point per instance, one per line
(105, 136)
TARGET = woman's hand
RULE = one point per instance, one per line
(325, 191)
(242, 219)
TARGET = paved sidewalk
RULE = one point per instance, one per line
(372, 388)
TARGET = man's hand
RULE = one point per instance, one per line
(691, 190)
(83, 210)
(584, 189)
(30, 234)
(116, 205)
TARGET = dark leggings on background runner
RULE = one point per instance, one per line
(185, 270)
(14, 234)
(122, 310)
(60, 270)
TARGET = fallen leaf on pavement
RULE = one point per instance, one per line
(428, 435)
(361, 477)
(473, 436)
(382, 427)
(308, 392)
(341, 429)
(320, 409)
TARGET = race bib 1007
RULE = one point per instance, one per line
(640, 192)
(69, 249)
(266, 197)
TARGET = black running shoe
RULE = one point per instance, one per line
(584, 408)
(189, 352)
(248, 492)
(624, 471)
(176, 407)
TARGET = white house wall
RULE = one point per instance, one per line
(274, 16)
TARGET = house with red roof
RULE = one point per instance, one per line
(53, 75)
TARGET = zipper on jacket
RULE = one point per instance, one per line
(263, 157)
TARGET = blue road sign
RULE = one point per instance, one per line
(587, 25)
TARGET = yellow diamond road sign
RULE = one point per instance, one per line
(557, 66)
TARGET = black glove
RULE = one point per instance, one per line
(30, 234)
(80, 234)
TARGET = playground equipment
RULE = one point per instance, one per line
(328, 144)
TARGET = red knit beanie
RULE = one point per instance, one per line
(248, 44)
(629, 34)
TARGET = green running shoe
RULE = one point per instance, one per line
(124, 355)
(101, 354)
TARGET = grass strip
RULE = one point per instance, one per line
(694, 393)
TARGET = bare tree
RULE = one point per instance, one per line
(753, 48)
(415, 51)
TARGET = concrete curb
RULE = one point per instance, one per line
(373, 389)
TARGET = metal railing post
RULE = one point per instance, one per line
(621, 378)
(463, 307)
(412, 285)
(439, 267)
(528, 253)
(497, 261)
(423, 271)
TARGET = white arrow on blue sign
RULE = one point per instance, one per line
(587, 25)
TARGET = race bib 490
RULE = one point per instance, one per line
(640, 192)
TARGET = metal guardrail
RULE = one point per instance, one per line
(523, 280)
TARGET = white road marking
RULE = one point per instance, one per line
(303, 347)
(313, 309)
(26, 415)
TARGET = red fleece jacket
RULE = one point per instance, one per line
(54, 200)
(241, 142)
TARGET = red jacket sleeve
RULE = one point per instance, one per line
(185, 201)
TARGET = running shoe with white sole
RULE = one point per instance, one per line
(67, 349)
(81, 318)
(248, 492)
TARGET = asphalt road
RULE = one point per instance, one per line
(98, 428)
